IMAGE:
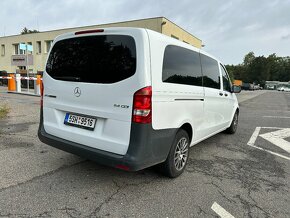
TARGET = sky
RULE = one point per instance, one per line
(229, 29)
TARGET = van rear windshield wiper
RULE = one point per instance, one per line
(68, 78)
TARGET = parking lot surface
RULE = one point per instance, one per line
(243, 175)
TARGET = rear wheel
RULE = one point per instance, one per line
(234, 125)
(178, 155)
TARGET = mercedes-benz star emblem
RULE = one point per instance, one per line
(77, 92)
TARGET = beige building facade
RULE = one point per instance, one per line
(12, 57)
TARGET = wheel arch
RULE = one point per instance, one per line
(188, 128)
(238, 110)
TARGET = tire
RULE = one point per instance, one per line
(234, 125)
(178, 155)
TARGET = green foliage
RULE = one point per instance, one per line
(230, 69)
(4, 110)
(237, 71)
(259, 69)
(249, 58)
(27, 31)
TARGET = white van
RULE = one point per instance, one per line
(132, 98)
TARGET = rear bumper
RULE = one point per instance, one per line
(147, 147)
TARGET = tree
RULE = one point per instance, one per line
(249, 58)
(275, 65)
(230, 69)
(236, 72)
(258, 70)
(285, 74)
(27, 31)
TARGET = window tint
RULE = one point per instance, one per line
(181, 66)
(210, 70)
(93, 59)
(226, 81)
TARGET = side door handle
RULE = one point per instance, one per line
(221, 94)
(226, 94)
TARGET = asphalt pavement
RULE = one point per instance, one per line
(242, 175)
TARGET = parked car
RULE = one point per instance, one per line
(248, 86)
(132, 98)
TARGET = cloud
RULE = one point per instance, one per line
(286, 37)
(229, 29)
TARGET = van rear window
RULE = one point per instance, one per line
(93, 59)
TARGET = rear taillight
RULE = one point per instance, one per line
(142, 105)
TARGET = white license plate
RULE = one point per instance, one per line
(80, 121)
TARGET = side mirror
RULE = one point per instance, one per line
(236, 89)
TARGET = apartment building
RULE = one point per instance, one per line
(13, 58)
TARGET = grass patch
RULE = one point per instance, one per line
(4, 110)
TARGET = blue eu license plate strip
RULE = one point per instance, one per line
(66, 117)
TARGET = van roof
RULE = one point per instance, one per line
(151, 32)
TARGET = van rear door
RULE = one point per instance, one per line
(89, 83)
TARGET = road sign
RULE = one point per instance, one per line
(22, 60)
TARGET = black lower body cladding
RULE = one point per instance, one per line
(147, 147)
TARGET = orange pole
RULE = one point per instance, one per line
(11, 82)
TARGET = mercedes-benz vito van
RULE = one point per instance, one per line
(132, 98)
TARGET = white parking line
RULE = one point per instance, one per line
(277, 138)
(254, 136)
(221, 211)
(271, 127)
(271, 152)
(276, 117)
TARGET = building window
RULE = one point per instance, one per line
(175, 37)
(21, 51)
(16, 49)
(2, 50)
(38, 47)
(48, 45)
(29, 52)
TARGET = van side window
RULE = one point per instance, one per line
(210, 71)
(181, 66)
(226, 80)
